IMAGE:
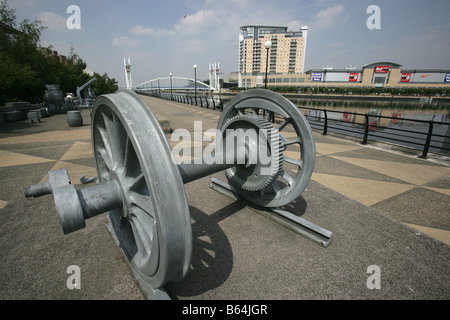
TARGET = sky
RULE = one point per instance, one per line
(170, 36)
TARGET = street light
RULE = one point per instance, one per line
(267, 45)
(159, 88)
(195, 83)
(171, 94)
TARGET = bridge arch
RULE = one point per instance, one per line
(176, 84)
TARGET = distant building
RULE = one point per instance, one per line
(379, 74)
(285, 59)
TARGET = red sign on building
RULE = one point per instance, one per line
(382, 69)
(353, 77)
(405, 77)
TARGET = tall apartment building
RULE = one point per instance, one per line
(285, 59)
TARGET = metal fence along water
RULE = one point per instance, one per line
(425, 135)
(406, 126)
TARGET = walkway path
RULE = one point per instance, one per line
(367, 197)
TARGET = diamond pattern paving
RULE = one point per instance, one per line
(365, 191)
(411, 190)
(8, 159)
(417, 174)
(408, 189)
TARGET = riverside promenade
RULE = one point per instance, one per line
(385, 209)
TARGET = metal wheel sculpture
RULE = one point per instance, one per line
(297, 146)
(142, 188)
(131, 149)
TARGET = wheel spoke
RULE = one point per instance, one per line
(106, 142)
(127, 151)
(297, 140)
(298, 163)
(284, 124)
(105, 157)
(117, 136)
(145, 236)
(275, 186)
(144, 202)
(287, 177)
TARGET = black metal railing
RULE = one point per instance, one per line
(423, 135)
(203, 101)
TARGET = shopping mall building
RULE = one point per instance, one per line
(379, 74)
(282, 61)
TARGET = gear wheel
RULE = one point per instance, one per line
(264, 166)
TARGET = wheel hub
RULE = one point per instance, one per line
(124, 190)
(264, 144)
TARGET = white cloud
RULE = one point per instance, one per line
(151, 32)
(329, 17)
(52, 21)
(125, 41)
(294, 25)
(199, 22)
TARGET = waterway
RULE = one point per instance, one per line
(410, 126)
(400, 121)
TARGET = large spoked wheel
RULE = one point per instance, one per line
(297, 143)
(153, 226)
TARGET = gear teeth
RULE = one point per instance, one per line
(275, 142)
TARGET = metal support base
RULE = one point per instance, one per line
(149, 292)
(298, 225)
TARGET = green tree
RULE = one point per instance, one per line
(26, 67)
(19, 59)
(104, 84)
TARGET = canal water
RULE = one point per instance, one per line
(393, 120)
(421, 123)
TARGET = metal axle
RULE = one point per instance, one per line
(75, 206)
(199, 168)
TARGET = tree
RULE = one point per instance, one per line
(26, 67)
(104, 84)
(19, 59)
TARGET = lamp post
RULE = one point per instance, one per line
(159, 88)
(267, 45)
(171, 94)
(195, 83)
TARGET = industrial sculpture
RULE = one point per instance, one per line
(142, 188)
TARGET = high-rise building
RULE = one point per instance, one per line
(285, 59)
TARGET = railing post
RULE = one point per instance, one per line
(366, 128)
(325, 124)
(428, 141)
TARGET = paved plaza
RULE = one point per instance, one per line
(385, 208)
